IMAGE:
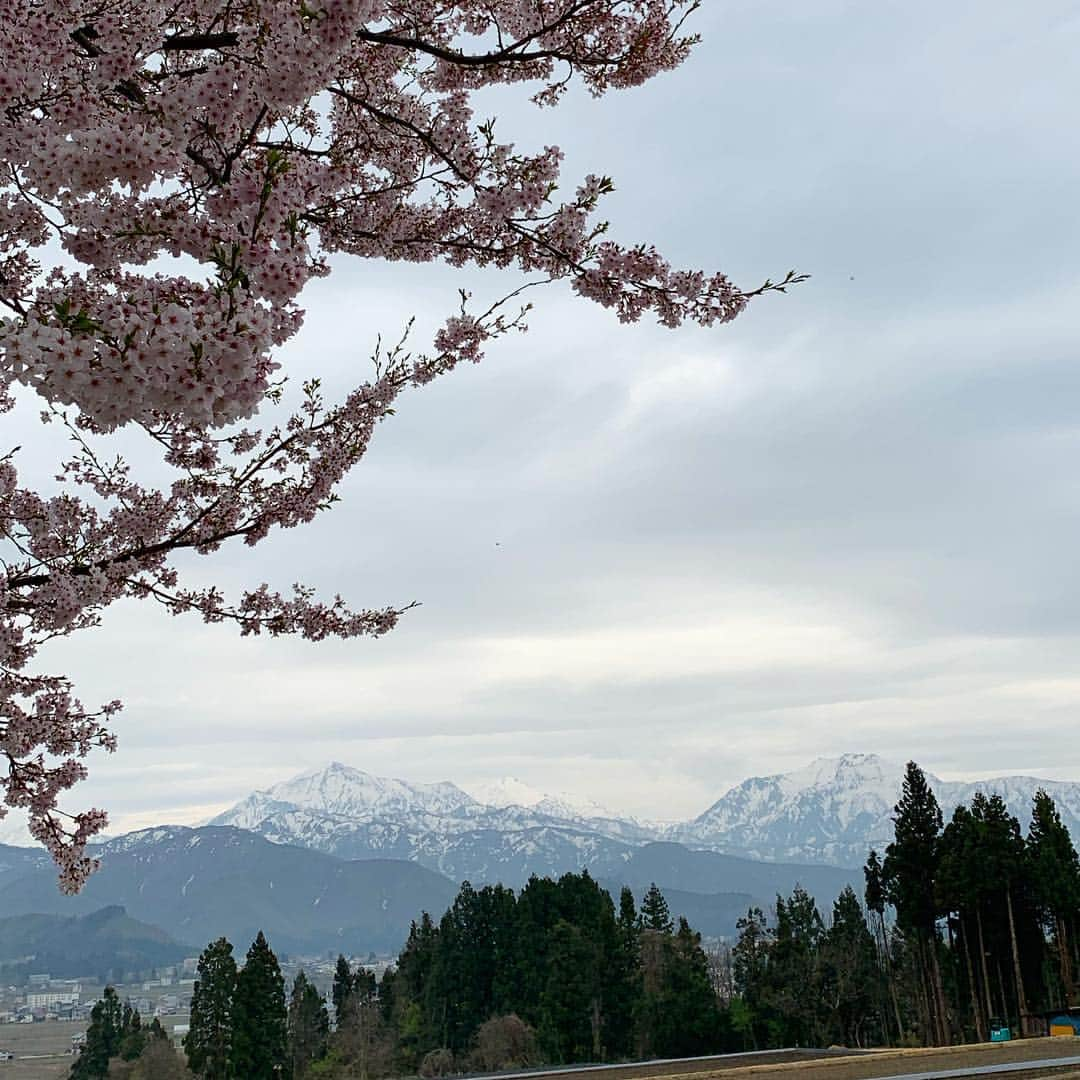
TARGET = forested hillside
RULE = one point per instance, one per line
(971, 922)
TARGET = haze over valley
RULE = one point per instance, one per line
(340, 859)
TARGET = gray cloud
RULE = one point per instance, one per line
(653, 563)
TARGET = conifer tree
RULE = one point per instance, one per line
(260, 1025)
(908, 874)
(1002, 859)
(309, 1026)
(962, 886)
(209, 1041)
(627, 917)
(342, 987)
(655, 914)
(133, 1035)
(1054, 872)
(688, 1020)
(794, 976)
(570, 1024)
(624, 995)
(851, 977)
(103, 1038)
(365, 986)
(875, 904)
(413, 1019)
(750, 969)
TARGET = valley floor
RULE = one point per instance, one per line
(42, 1050)
(41, 1055)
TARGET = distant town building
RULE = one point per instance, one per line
(48, 999)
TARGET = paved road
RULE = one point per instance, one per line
(1029, 1060)
(1025, 1067)
(677, 1066)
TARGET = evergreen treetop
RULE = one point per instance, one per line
(911, 859)
(260, 1035)
(209, 1041)
(655, 914)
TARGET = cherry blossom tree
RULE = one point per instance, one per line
(174, 172)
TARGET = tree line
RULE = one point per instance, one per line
(553, 974)
(967, 925)
(587, 982)
(118, 1043)
(961, 926)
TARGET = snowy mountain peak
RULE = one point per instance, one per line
(835, 809)
(341, 791)
(832, 810)
(510, 791)
(848, 771)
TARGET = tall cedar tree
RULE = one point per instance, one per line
(309, 1026)
(625, 994)
(342, 987)
(875, 904)
(794, 976)
(908, 875)
(1002, 857)
(579, 995)
(103, 1038)
(690, 1018)
(852, 986)
(962, 886)
(655, 914)
(411, 987)
(133, 1035)
(363, 1040)
(209, 1041)
(260, 1018)
(750, 969)
(1054, 873)
(570, 1006)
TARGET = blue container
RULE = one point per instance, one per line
(999, 1030)
(1065, 1025)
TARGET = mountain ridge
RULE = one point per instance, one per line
(197, 884)
(830, 812)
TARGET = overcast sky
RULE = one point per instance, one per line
(652, 563)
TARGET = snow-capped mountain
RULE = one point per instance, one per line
(348, 812)
(835, 809)
(343, 792)
(830, 812)
(510, 791)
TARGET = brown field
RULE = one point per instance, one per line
(50, 1040)
(41, 1050)
(41, 1055)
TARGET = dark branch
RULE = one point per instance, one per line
(511, 54)
(199, 42)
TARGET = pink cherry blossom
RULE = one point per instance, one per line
(254, 141)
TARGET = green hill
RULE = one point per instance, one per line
(106, 944)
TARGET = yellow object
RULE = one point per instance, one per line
(1062, 1029)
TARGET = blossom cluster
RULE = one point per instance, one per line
(248, 143)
